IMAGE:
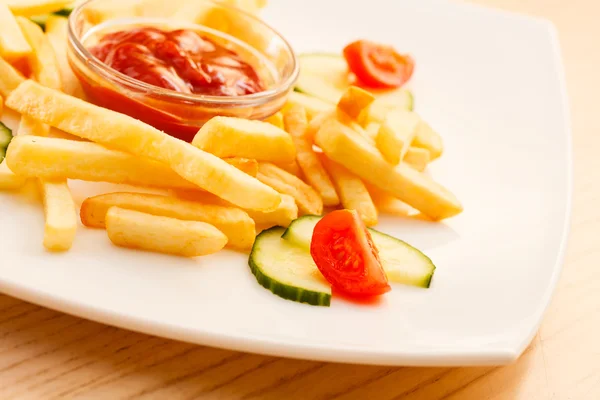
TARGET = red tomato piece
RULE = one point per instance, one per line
(343, 250)
(378, 66)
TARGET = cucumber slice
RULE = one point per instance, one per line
(287, 270)
(326, 76)
(5, 138)
(402, 262)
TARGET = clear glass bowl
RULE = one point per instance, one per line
(180, 114)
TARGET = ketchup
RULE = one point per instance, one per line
(179, 60)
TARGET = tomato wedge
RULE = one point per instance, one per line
(378, 66)
(343, 250)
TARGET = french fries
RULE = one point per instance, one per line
(237, 137)
(54, 158)
(429, 139)
(315, 123)
(339, 115)
(42, 60)
(308, 201)
(60, 216)
(388, 204)
(396, 134)
(283, 215)
(291, 167)
(417, 157)
(122, 132)
(276, 120)
(29, 8)
(30, 126)
(10, 78)
(372, 129)
(312, 105)
(296, 124)
(354, 101)
(8, 179)
(137, 230)
(233, 222)
(59, 208)
(246, 165)
(349, 149)
(60, 219)
(425, 137)
(1, 105)
(56, 32)
(353, 192)
(13, 44)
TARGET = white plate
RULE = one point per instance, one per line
(492, 84)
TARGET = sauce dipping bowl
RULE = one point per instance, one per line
(180, 114)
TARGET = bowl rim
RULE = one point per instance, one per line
(109, 74)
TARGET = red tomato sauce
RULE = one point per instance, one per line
(179, 60)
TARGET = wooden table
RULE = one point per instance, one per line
(46, 354)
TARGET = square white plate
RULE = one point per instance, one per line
(492, 84)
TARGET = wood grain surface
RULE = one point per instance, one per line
(46, 354)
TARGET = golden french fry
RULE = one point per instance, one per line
(233, 222)
(396, 134)
(137, 230)
(353, 192)
(296, 124)
(417, 157)
(10, 78)
(59, 208)
(291, 167)
(13, 45)
(425, 137)
(354, 101)
(276, 120)
(238, 137)
(60, 216)
(372, 129)
(315, 124)
(388, 204)
(30, 8)
(42, 63)
(54, 158)
(122, 132)
(429, 139)
(8, 179)
(30, 126)
(1, 105)
(246, 165)
(56, 32)
(312, 105)
(307, 199)
(42, 60)
(345, 147)
(283, 215)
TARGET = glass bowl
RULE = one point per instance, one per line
(180, 114)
